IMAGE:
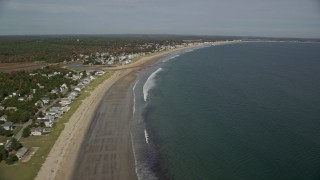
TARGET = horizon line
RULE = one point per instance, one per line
(156, 34)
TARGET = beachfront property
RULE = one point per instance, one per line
(8, 126)
(21, 152)
(72, 95)
(78, 88)
(48, 123)
(38, 131)
(65, 101)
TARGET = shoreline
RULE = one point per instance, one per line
(61, 160)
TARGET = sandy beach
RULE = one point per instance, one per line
(96, 141)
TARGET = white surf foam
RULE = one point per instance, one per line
(134, 96)
(146, 136)
(150, 83)
(167, 59)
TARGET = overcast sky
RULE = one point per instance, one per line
(274, 18)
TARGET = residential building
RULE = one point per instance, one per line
(36, 131)
(45, 100)
(21, 152)
(8, 125)
(4, 118)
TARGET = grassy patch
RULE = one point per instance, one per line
(4, 139)
(29, 170)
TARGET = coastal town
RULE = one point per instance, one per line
(35, 103)
(32, 102)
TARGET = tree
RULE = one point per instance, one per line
(11, 159)
(5, 132)
(15, 145)
(26, 132)
(3, 153)
(42, 124)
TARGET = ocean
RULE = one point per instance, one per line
(231, 112)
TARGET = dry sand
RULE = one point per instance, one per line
(84, 127)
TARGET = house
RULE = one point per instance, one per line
(21, 152)
(45, 100)
(100, 73)
(48, 123)
(74, 93)
(39, 103)
(36, 131)
(79, 88)
(21, 99)
(76, 77)
(63, 88)
(4, 118)
(91, 78)
(86, 80)
(29, 97)
(65, 101)
(40, 86)
(8, 125)
(1, 108)
(12, 109)
(48, 116)
(65, 109)
(54, 91)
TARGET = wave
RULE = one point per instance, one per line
(146, 136)
(150, 83)
(134, 96)
(169, 58)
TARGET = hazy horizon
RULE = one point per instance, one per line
(284, 18)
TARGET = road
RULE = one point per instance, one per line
(19, 134)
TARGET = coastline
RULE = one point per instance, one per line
(60, 162)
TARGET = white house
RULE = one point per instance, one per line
(4, 118)
(79, 88)
(65, 101)
(36, 131)
(48, 123)
(63, 88)
(21, 152)
(45, 100)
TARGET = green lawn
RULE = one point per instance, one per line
(29, 170)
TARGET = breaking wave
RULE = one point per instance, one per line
(150, 83)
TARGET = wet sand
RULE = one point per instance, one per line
(106, 152)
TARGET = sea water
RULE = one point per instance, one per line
(239, 111)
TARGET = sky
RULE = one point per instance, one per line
(267, 18)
